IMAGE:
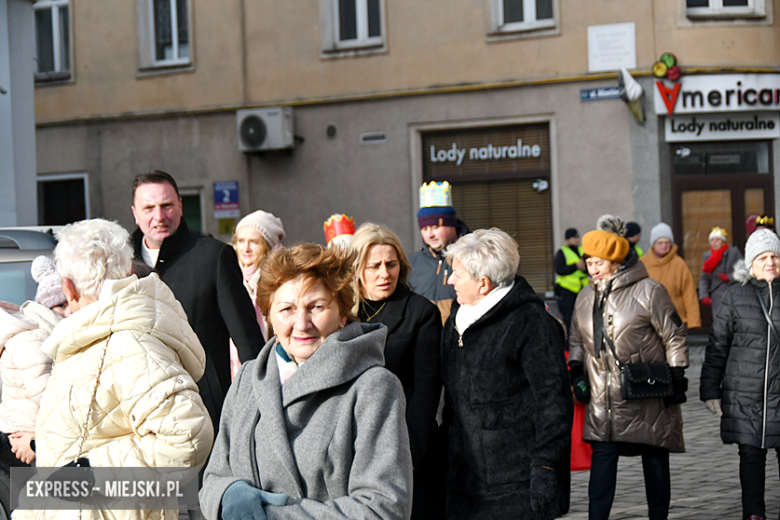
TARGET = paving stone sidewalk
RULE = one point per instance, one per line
(705, 479)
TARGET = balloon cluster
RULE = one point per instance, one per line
(666, 67)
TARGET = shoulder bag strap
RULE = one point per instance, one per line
(766, 312)
(84, 429)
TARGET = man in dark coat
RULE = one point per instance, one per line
(507, 395)
(439, 227)
(204, 276)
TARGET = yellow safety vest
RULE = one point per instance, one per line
(577, 280)
(639, 251)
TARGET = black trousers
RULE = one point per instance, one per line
(566, 301)
(7, 461)
(603, 478)
(752, 475)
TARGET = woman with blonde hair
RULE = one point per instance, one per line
(255, 236)
(314, 426)
(411, 353)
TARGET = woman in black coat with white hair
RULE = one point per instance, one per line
(507, 396)
(740, 378)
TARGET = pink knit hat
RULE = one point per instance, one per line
(49, 284)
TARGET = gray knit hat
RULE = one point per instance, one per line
(661, 231)
(760, 242)
(266, 224)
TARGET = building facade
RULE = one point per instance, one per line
(514, 102)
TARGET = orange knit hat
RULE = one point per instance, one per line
(606, 245)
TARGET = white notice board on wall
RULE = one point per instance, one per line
(611, 47)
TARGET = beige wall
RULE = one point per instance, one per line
(428, 45)
(374, 182)
(107, 82)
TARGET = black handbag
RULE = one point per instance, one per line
(642, 380)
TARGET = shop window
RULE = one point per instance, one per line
(500, 177)
(62, 199)
(721, 158)
(510, 16)
(725, 8)
(165, 33)
(52, 40)
(355, 25)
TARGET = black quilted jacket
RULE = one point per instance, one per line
(742, 364)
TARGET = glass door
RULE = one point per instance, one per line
(718, 184)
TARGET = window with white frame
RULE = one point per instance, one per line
(725, 8)
(522, 15)
(169, 32)
(357, 23)
(52, 40)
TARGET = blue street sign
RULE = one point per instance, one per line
(597, 94)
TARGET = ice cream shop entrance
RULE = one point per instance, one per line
(726, 184)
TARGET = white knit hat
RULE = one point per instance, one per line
(661, 231)
(49, 284)
(266, 224)
(718, 232)
(760, 242)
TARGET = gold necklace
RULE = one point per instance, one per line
(366, 307)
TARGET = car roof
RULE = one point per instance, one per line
(26, 240)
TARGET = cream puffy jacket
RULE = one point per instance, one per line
(23, 367)
(147, 410)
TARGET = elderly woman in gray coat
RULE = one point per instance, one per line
(315, 426)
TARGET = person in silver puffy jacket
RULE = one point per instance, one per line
(623, 307)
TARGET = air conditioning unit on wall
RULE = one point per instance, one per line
(263, 129)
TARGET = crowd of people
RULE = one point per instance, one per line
(354, 381)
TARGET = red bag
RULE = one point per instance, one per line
(581, 451)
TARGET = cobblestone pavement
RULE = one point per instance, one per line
(705, 479)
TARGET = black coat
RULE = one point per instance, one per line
(742, 366)
(510, 411)
(412, 353)
(204, 276)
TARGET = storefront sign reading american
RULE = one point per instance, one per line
(718, 93)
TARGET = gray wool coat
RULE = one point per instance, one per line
(333, 437)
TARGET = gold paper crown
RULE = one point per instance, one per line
(338, 225)
(720, 231)
(765, 220)
(435, 194)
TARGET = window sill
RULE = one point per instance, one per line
(697, 14)
(162, 70)
(52, 78)
(354, 50)
(528, 31)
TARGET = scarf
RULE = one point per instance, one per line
(248, 271)
(712, 262)
(287, 366)
(468, 314)
(599, 304)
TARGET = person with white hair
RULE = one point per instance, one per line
(122, 392)
(506, 389)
